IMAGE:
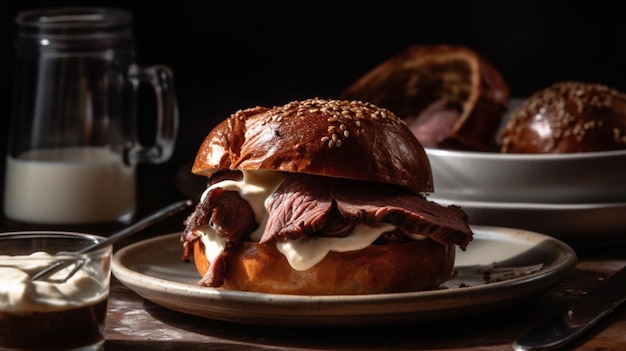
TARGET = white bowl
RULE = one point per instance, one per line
(592, 177)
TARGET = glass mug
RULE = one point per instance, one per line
(73, 144)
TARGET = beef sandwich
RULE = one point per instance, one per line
(451, 96)
(319, 197)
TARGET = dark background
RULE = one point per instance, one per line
(231, 55)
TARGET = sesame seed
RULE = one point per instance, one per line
(571, 109)
(345, 119)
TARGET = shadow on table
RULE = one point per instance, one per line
(498, 328)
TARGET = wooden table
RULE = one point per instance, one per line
(137, 324)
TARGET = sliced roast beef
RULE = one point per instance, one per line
(314, 205)
(230, 216)
(302, 206)
(198, 218)
(411, 213)
(308, 205)
(435, 123)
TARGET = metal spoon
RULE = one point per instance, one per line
(77, 261)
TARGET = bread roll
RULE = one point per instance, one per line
(333, 138)
(567, 117)
(410, 266)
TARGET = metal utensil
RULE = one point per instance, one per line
(74, 258)
(582, 314)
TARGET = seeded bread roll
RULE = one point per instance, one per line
(319, 197)
(318, 137)
(419, 82)
(567, 117)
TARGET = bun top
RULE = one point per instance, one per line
(334, 138)
(567, 117)
(409, 82)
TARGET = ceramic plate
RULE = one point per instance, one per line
(580, 225)
(519, 263)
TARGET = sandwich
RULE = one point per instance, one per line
(451, 96)
(319, 197)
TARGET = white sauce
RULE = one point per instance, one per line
(19, 294)
(302, 254)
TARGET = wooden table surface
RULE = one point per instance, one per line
(137, 324)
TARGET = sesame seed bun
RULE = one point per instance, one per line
(567, 117)
(334, 138)
(381, 172)
(411, 81)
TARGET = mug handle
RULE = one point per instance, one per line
(161, 79)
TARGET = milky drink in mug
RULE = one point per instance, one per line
(73, 143)
(93, 182)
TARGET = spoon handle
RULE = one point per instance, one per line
(145, 222)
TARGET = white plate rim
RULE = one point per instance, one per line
(308, 311)
(529, 205)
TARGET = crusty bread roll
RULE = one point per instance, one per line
(567, 117)
(331, 138)
(423, 80)
(313, 176)
(410, 266)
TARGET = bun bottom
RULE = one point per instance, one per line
(401, 267)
